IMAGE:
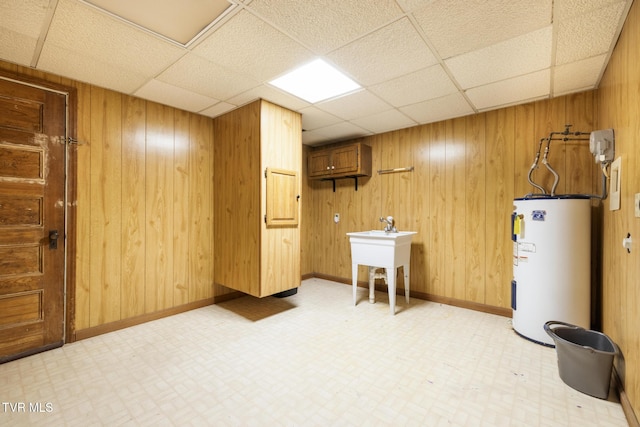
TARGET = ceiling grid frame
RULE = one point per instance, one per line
(319, 28)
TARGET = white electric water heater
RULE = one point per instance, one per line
(551, 264)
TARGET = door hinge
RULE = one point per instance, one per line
(69, 140)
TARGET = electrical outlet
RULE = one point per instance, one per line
(636, 205)
(336, 218)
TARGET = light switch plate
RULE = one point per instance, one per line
(636, 205)
(614, 184)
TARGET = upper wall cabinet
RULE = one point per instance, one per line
(343, 161)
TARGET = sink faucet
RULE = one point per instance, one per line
(390, 224)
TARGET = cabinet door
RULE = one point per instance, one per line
(344, 160)
(319, 163)
(282, 197)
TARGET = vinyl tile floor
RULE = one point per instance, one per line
(311, 359)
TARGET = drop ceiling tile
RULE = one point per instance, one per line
(422, 85)
(359, 104)
(520, 55)
(93, 34)
(270, 94)
(23, 17)
(578, 76)
(457, 27)
(99, 72)
(88, 45)
(588, 35)
(434, 110)
(314, 118)
(340, 132)
(218, 109)
(16, 47)
(511, 91)
(198, 75)
(565, 9)
(251, 46)
(413, 5)
(390, 52)
(384, 122)
(164, 93)
(325, 25)
(20, 25)
(313, 138)
(180, 21)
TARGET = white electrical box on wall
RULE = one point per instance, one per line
(614, 185)
(601, 145)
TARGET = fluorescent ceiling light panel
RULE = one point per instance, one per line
(180, 21)
(315, 81)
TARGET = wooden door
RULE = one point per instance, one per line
(32, 123)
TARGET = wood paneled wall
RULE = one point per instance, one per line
(144, 206)
(459, 197)
(306, 215)
(145, 203)
(619, 108)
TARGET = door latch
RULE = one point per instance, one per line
(53, 239)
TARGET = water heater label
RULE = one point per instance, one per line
(526, 247)
(538, 215)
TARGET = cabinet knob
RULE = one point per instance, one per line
(333, 167)
(328, 167)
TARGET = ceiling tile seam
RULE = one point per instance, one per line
(351, 121)
(147, 30)
(202, 110)
(329, 100)
(189, 52)
(257, 14)
(220, 23)
(275, 26)
(400, 76)
(438, 57)
(155, 77)
(508, 78)
(240, 94)
(333, 116)
(246, 7)
(514, 104)
(189, 90)
(44, 32)
(215, 25)
(368, 33)
(129, 23)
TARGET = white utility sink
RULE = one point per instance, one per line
(380, 249)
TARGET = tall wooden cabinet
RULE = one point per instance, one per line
(257, 181)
